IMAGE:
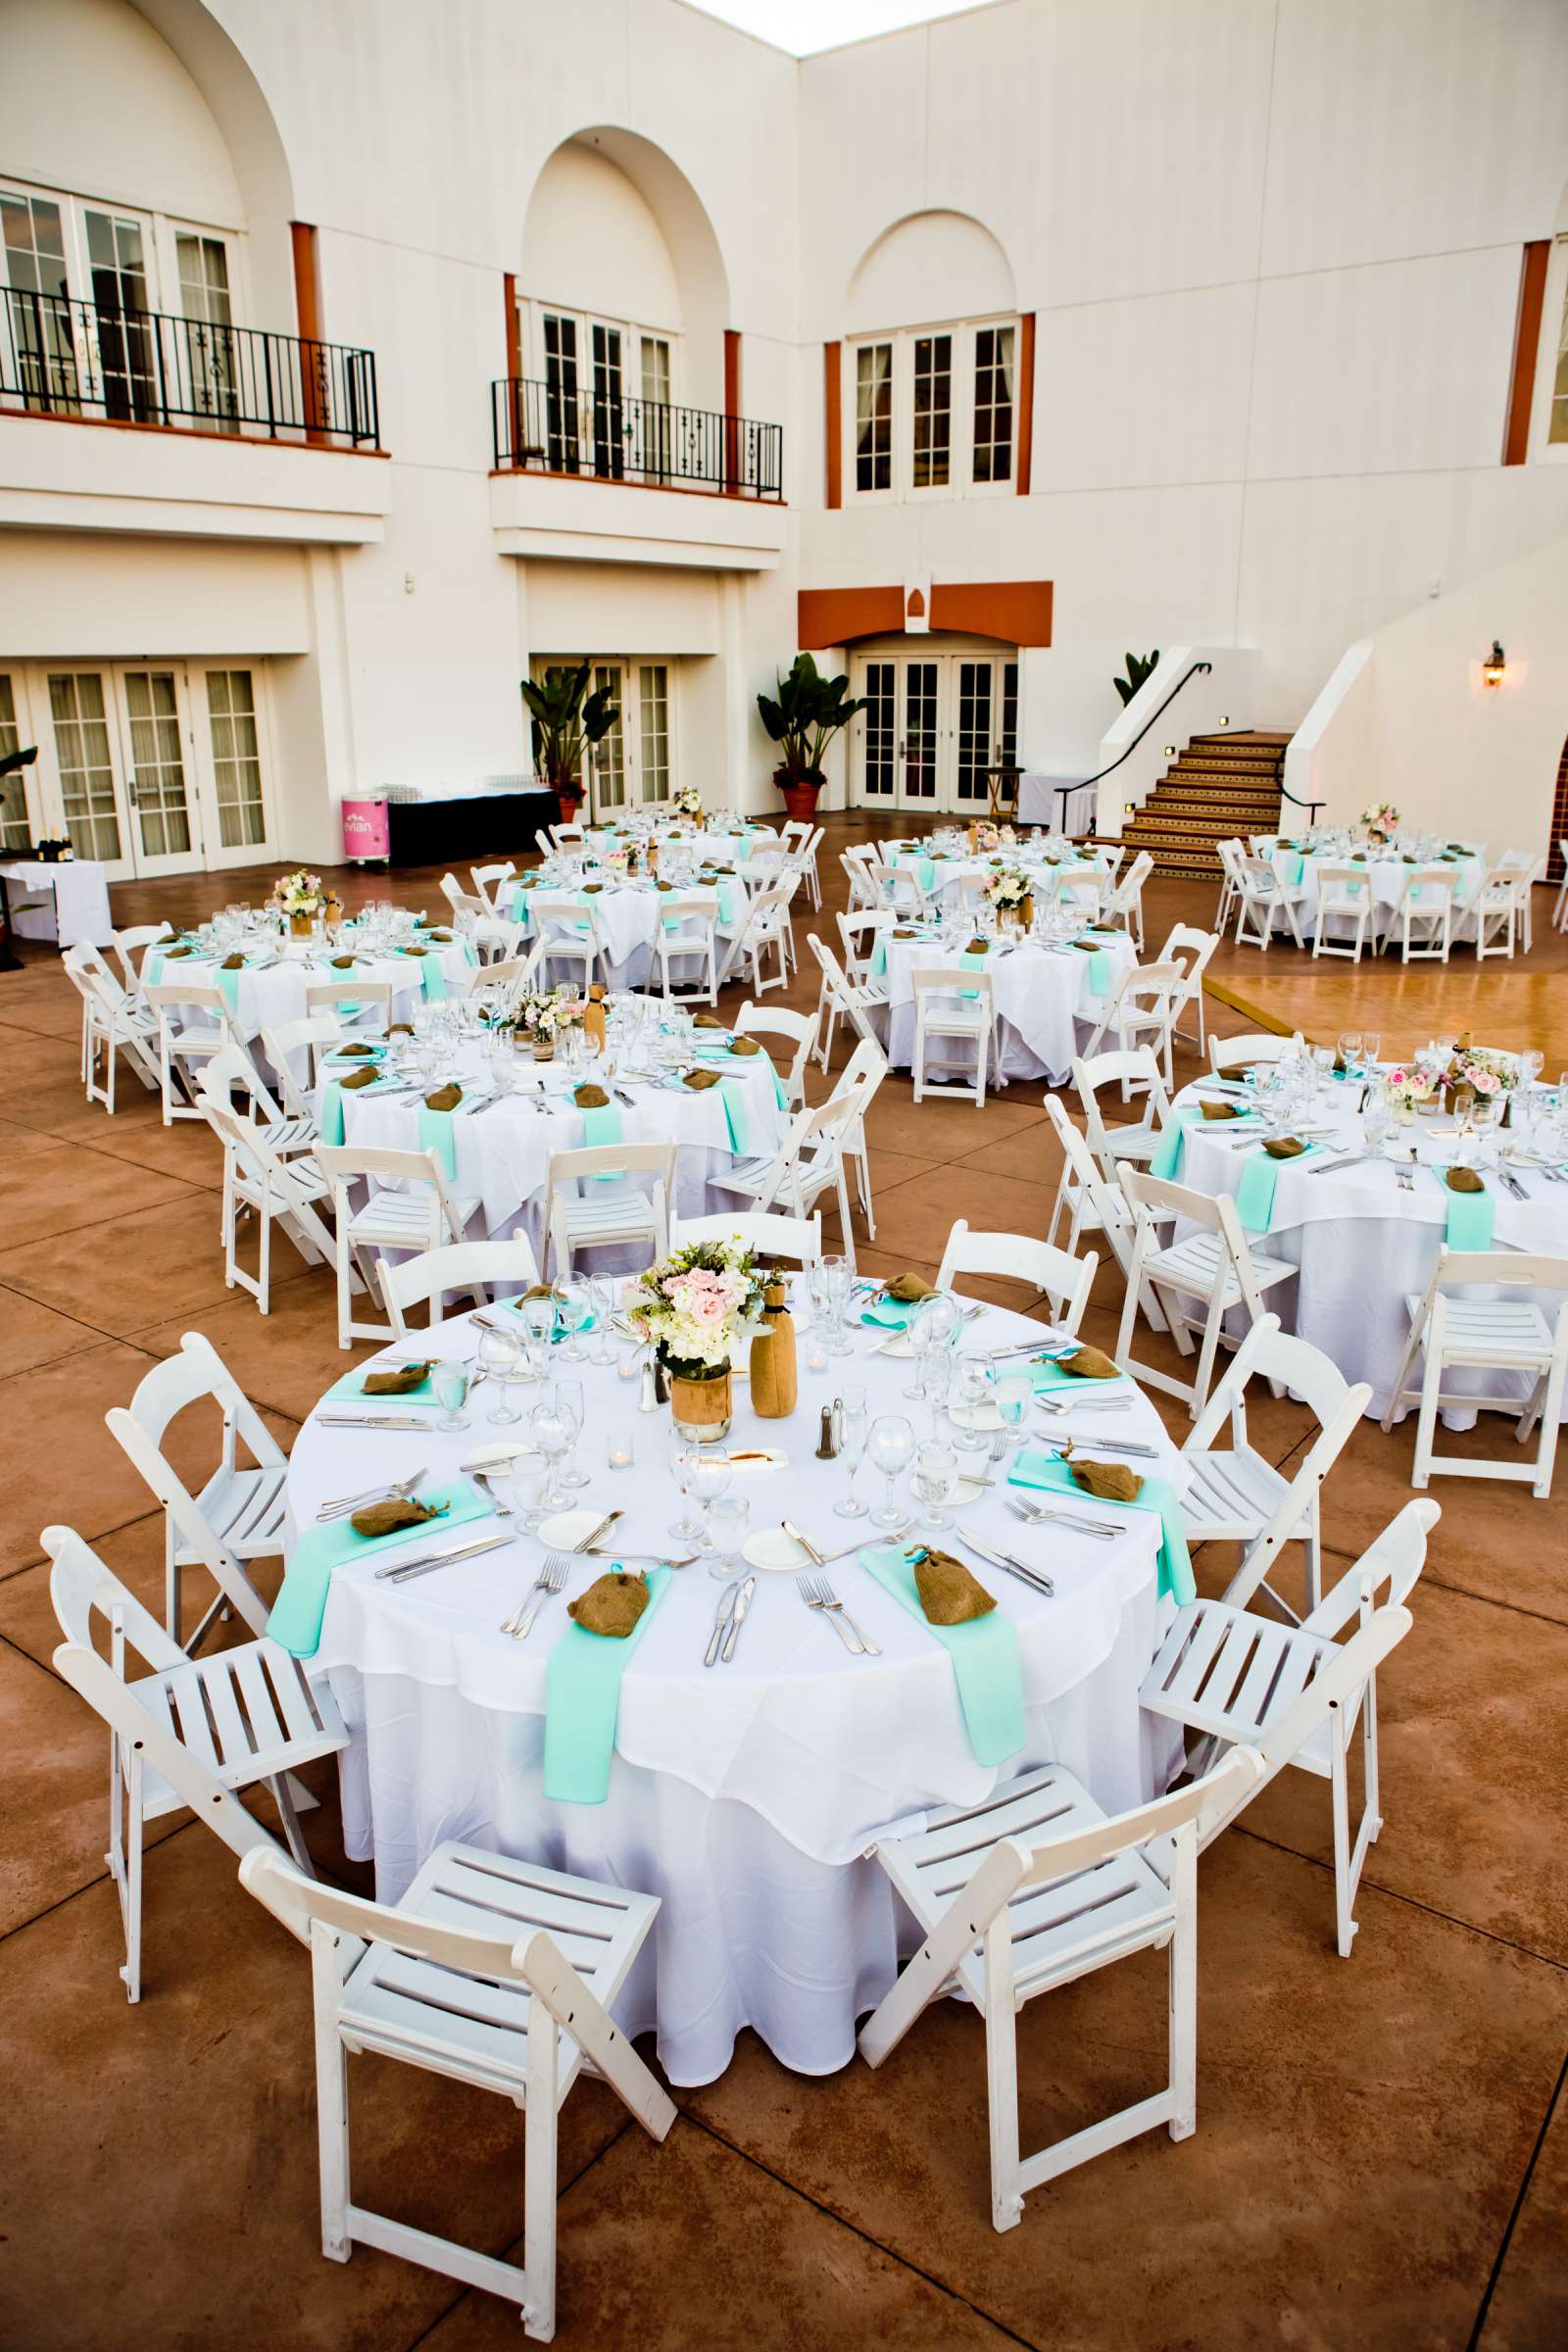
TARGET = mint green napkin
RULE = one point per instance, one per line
(295, 1623)
(350, 1389)
(331, 1111)
(582, 1699)
(1470, 1220)
(227, 988)
(737, 1116)
(1051, 1376)
(439, 1135)
(1032, 1469)
(1254, 1194)
(984, 1660)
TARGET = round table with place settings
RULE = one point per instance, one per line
(746, 1795)
(1385, 871)
(1048, 999)
(1365, 1228)
(627, 914)
(268, 989)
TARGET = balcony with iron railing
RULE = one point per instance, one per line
(633, 480)
(229, 429)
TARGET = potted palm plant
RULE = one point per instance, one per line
(802, 720)
(567, 720)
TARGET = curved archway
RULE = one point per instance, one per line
(668, 246)
(933, 265)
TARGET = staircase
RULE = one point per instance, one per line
(1220, 786)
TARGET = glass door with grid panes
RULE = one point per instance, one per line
(208, 348)
(233, 787)
(632, 765)
(933, 725)
(19, 820)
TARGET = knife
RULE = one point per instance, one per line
(721, 1618)
(1149, 1453)
(594, 1532)
(804, 1542)
(372, 1421)
(743, 1601)
(1004, 1559)
(425, 1560)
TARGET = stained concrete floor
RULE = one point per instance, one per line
(1382, 2152)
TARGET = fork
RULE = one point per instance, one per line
(819, 1593)
(551, 1578)
(343, 1503)
(1038, 1518)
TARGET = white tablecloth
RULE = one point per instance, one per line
(951, 873)
(1363, 1244)
(1387, 876)
(746, 1797)
(267, 994)
(1045, 999)
(80, 895)
(503, 1148)
(627, 915)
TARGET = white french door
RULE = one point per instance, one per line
(933, 725)
(631, 766)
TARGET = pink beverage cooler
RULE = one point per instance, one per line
(366, 832)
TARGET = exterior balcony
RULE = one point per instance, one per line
(142, 422)
(600, 478)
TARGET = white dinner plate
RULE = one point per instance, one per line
(976, 1416)
(563, 1531)
(775, 1553)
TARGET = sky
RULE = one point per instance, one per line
(804, 25)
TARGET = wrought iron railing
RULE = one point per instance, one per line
(62, 358)
(608, 436)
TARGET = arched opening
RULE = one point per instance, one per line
(930, 265)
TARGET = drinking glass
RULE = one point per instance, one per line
(685, 1529)
(920, 1333)
(552, 1437)
(572, 1311)
(729, 1518)
(569, 1405)
(1015, 1391)
(889, 1443)
(936, 1482)
(853, 1425)
(1352, 1049)
(1371, 1047)
(707, 1477)
(839, 1275)
(451, 1384)
(970, 1393)
(1377, 1119)
(498, 1357)
(539, 1322)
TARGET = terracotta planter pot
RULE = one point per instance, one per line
(800, 801)
(568, 803)
(701, 1409)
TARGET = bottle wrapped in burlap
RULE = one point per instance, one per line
(775, 1384)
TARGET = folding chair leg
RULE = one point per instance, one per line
(331, 2104)
(1208, 1351)
(288, 1814)
(539, 2180)
(1002, 2077)
(1183, 1989)
(131, 1891)
(1344, 1884)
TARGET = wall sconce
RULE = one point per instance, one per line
(1129, 808)
(1226, 720)
(1170, 750)
(1496, 663)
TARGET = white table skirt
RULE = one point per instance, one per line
(1386, 877)
(745, 1797)
(1363, 1245)
(627, 915)
(268, 998)
(1044, 1001)
(80, 895)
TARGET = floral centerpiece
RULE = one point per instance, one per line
(300, 897)
(1381, 820)
(688, 802)
(538, 1020)
(697, 1307)
(1013, 891)
(984, 835)
(1412, 1087)
(1485, 1072)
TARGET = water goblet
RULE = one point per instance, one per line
(840, 1279)
(853, 1426)
(553, 1438)
(498, 1356)
(1015, 1391)
(685, 1529)
(728, 1517)
(568, 1403)
(451, 1384)
(707, 1477)
(1371, 1047)
(972, 1393)
(889, 1443)
(573, 1310)
(935, 1483)
(921, 1335)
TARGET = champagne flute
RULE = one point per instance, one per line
(889, 1443)
(853, 1426)
(553, 1438)
(971, 1394)
(921, 1335)
(685, 1529)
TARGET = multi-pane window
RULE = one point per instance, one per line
(993, 404)
(37, 317)
(86, 765)
(933, 409)
(652, 746)
(204, 298)
(236, 757)
(157, 763)
(16, 832)
(873, 416)
(1557, 423)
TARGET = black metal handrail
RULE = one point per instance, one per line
(63, 357)
(1194, 670)
(610, 436)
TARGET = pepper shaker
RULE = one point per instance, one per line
(827, 1450)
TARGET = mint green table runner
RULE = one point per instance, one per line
(1469, 1221)
(332, 1107)
(1169, 1150)
(1254, 1194)
(439, 1135)
(583, 1701)
(984, 1654)
(1032, 1469)
(295, 1624)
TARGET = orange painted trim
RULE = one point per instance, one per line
(190, 432)
(837, 616)
(509, 286)
(1526, 346)
(308, 316)
(1018, 611)
(732, 411)
(833, 420)
(1026, 402)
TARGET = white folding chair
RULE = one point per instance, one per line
(1451, 1330)
(1213, 1264)
(133, 943)
(294, 1050)
(1230, 1054)
(1263, 893)
(803, 843)
(1126, 902)
(238, 1515)
(243, 1716)
(508, 976)
(569, 836)
(1234, 1494)
(488, 879)
(604, 1212)
(498, 940)
(1064, 1282)
(494, 1972)
(476, 906)
(112, 1024)
(1192, 950)
(955, 1010)
(808, 1165)
(423, 1213)
(1133, 1139)
(865, 889)
(232, 1072)
(859, 934)
(567, 932)
(841, 998)
(362, 1009)
(766, 930)
(765, 1232)
(798, 1029)
(1230, 855)
(184, 1045)
(1493, 904)
(1344, 899)
(259, 1181)
(1034, 1888)
(1141, 1011)
(1227, 1674)
(1080, 891)
(1527, 870)
(1423, 915)
(1092, 1200)
(1559, 906)
(686, 935)
(472, 1267)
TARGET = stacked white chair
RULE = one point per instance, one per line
(422, 1214)
(1213, 1265)
(248, 1713)
(472, 1268)
(955, 1009)
(1229, 1676)
(1452, 1330)
(1063, 1280)
(609, 1210)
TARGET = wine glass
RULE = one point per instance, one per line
(498, 1357)
(839, 1276)
(572, 1310)
(970, 1394)
(1377, 1119)
(569, 1404)
(685, 1529)
(936, 1482)
(920, 1334)
(890, 1442)
(729, 1518)
(707, 1476)
(852, 1426)
(1350, 1049)
(553, 1437)
(1371, 1047)
(451, 1384)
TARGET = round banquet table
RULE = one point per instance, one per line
(950, 873)
(1387, 875)
(1045, 999)
(502, 1145)
(746, 1797)
(1364, 1245)
(627, 914)
(271, 990)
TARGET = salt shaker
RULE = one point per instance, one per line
(648, 1391)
